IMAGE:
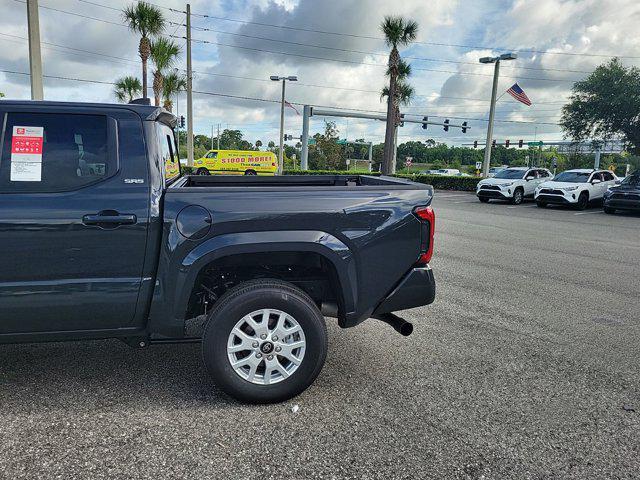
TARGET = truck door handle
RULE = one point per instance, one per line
(109, 219)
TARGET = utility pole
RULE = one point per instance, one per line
(211, 137)
(189, 92)
(492, 110)
(35, 58)
(304, 160)
(218, 136)
(276, 78)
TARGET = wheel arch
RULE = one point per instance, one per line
(224, 249)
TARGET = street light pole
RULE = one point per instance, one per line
(276, 78)
(492, 111)
(280, 151)
(492, 108)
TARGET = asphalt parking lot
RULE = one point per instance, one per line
(526, 366)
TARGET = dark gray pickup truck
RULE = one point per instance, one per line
(102, 237)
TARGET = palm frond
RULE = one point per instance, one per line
(127, 88)
(398, 31)
(164, 53)
(145, 19)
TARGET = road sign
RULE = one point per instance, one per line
(312, 141)
(535, 144)
(342, 141)
(478, 165)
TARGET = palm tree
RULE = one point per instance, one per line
(148, 22)
(163, 53)
(172, 84)
(397, 32)
(127, 88)
(258, 144)
(404, 91)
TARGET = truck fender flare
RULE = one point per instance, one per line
(322, 243)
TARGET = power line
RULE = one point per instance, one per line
(423, 59)
(438, 44)
(371, 64)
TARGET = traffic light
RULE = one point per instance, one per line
(506, 143)
(475, 144)
(446, 125)
(424, 122)
(464, 127)
(288, 137)
(401, 124)
(520, 142)
(493, 144)
(181, 121)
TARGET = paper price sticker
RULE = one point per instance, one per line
(26, 154)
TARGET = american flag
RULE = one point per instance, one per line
(516, 92)
(291, 106)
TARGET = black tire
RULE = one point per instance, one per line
(609, 210)
(483, 199)
(583, 201)
(541, 204)
(518, 196)
(249, 297)
(202, 171)
(250, 172)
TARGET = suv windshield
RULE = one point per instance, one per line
(512, 174)
(632, 180)
(573, 177)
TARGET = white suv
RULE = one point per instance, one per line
(512, 184)
(575, 187)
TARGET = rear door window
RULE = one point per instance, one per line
(168, 151)
(51, 152)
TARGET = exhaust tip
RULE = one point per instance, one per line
(406, 329)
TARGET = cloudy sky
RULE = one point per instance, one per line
(335, 49)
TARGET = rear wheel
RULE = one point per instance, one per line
(518, 195)
(250, 172)
(583, 201)
(483, 199)
(609, 210)
(202, 171)
(265, 341)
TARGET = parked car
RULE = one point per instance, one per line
(448, 171)
(577, 188)
(494, 170)
(245, 265)
(512, 184)
(625, 196)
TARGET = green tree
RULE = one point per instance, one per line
(258, 144)
(171, 85)
(164, 53)
(127, 88)
(397, 32)
(147, 21)
(605, 105)
(326, 154)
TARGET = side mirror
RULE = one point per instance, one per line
(595, 181)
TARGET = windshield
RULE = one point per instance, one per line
(632, 180)
(573, 177)
(511, 174)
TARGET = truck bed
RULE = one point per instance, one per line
(297, 181)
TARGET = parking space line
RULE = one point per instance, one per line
(599, 212)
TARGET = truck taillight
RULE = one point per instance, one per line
(427, 216)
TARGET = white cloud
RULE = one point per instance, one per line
(561, 26)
